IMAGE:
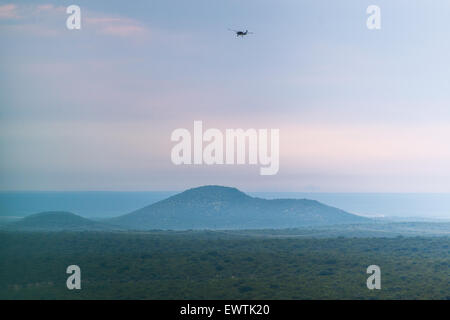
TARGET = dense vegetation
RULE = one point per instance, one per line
(217, 265)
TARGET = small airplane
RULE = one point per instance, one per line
(240, 33)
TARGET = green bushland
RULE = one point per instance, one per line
(216, 265)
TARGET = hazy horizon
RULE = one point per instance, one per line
(98, 204)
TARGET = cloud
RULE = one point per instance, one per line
(8, 11)
(26, 12)
(49, 21)
(31, 30)
(116, 26)
(33, 20)
(45, 7)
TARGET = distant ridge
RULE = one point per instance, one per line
(57, 221)
(218, 207)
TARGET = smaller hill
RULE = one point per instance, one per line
(57, 221)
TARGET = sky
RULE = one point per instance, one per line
(93, 109)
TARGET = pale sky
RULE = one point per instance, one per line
(93, 109)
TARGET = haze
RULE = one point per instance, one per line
(358, 110)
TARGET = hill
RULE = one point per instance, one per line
(57, 221)
(217, 207)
